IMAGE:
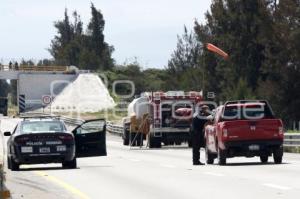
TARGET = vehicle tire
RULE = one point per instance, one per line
(125, 142)
(221, 157)
(178, 143)
(70, 164)
(209, 156)
(154, 143)
(8, 163)
(133, 139)
(277, 155)
(264, 158)
(140, 140)
(190, 144)
(13, 165)
(126, 138)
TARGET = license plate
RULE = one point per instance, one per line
(254, 147)
(45, 150)
(61, 148)
(26, 150)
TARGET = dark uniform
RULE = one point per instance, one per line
(198, 123)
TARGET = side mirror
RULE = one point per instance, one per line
(7, 133)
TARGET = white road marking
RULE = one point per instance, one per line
(275, 186)
(168, 166)
(213, 174)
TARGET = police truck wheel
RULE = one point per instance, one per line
(13, 165)
(70, 164)
(277, 155)
(8, 163)
(221, 157)
(264, 158)
(209, 157)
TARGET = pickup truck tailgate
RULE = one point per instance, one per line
(264, 129)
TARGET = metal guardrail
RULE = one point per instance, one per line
(114, 129)
(292, 139)
(67, 120)
(33, 68)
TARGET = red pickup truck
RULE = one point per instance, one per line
(244, 128)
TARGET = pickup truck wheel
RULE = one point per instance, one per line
(209, 157)
(264, 158)
(221, 157)
(277, 155)
(190, 144)
(13, 165)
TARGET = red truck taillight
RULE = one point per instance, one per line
(281, 131)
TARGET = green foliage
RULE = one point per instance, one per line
(71, 46)
(144, 80)
(262, 39)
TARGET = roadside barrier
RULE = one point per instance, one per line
(114, 129)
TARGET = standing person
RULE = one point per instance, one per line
(198, 124)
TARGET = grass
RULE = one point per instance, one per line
(292, 149)
(293, 131)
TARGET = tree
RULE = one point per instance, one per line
(71, 46)
(184, 70)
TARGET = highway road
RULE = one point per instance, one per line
(154, 174)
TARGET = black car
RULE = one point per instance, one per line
(46, 140)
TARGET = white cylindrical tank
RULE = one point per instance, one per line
(139, 107)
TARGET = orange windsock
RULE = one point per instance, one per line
(217, 50)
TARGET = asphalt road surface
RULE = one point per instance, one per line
(164, 173)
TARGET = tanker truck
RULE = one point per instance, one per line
(160, 118)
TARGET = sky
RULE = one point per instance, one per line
(145, 30)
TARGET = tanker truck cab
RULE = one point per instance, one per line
(244, 128)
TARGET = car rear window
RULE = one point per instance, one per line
(247, 112)
(42, 126)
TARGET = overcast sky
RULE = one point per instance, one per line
(146, 29)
